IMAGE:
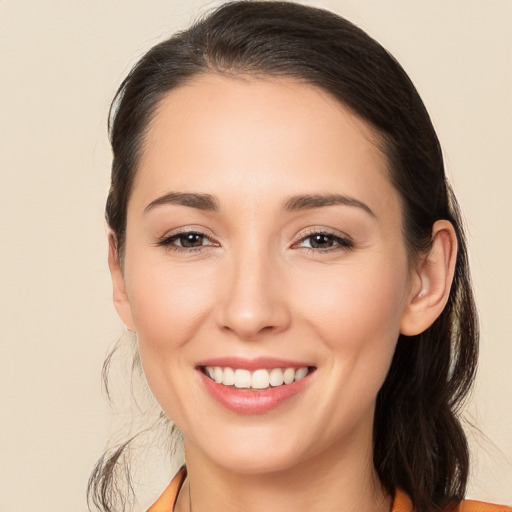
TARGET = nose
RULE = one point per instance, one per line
(254, 299)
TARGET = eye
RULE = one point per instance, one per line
(189, 240)
(324, 242)
(186, 241)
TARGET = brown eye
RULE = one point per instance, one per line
(187, 240)
(320, 241)
(190, 240)
(324, 242)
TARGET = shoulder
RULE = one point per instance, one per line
(402, 503)
(480, 506)
(165, 503)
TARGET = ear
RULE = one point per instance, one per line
(431, 281)
(121, 302)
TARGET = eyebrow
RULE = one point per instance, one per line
(308, 202)
(295, 203)
(194, 200)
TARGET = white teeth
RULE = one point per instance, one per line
(242, 379)
(217, 374)
(258, 379)
(228, 378)
(300, 373)
(276, 377)
(289, 375)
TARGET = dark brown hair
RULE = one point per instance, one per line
(419, 444)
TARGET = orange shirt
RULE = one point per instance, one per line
(402, 503)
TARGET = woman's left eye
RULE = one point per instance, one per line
(189, 240)
(324, 242)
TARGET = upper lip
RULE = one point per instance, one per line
(253, 364)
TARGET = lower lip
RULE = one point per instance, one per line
(246, 401)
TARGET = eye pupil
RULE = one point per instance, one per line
(321, 241)
(191, 240)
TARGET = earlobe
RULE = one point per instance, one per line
(121, 301)
(432, 280)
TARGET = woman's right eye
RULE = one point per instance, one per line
(186, 241)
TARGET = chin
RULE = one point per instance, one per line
(253, 451)
(257, 464)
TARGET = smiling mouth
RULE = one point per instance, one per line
(257, 380)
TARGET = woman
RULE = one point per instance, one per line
(286, 247)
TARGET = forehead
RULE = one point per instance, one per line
(252, 136)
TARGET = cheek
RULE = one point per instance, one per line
(354, 318)
(356, 295)
(356, 312)
(168, 305)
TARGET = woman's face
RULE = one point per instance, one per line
(263, 233)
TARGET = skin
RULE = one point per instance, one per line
(257, 288)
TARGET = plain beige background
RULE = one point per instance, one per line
(61, 62)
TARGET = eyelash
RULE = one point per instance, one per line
(343, 243)
(167, 242)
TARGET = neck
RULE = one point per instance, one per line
(324, 483)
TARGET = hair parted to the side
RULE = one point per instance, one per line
(419, 444)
